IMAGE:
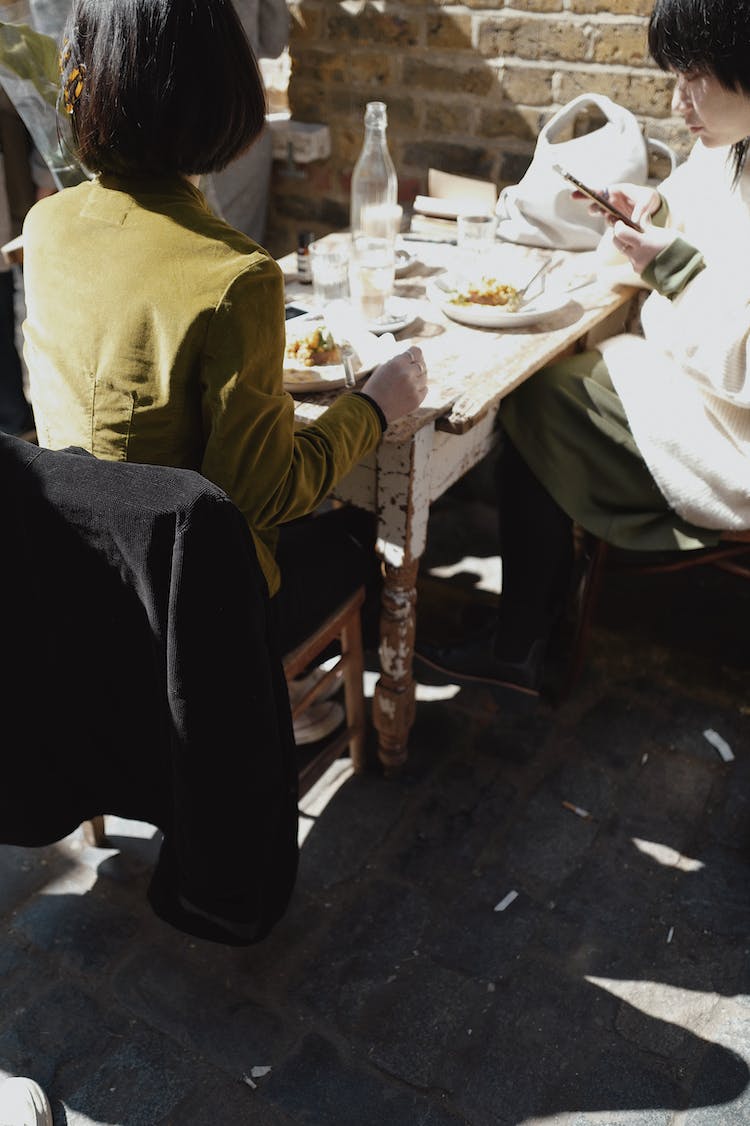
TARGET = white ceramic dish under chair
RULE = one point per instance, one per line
(22, 1100)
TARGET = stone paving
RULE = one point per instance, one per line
(613, 990)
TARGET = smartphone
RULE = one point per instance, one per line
(292, 311)
(598, 199)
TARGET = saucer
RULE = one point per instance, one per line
(399, 314)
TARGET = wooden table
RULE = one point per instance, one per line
(423, 454)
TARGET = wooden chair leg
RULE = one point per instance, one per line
(94, 832)
(353, 666)
(585, 596)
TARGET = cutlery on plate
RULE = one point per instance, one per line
(347, 357)
(545, 268)
(335, 316)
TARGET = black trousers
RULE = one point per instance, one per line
(536, 547)
(323, 559)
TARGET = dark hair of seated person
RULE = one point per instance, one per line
(159, 87)
(705, 37)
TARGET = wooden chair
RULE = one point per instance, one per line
(731, 554)
(140, 617)
(344, 626)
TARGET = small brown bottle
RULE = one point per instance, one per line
(304, 273)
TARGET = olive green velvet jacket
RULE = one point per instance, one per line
(155, 334)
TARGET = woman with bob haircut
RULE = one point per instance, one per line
(155, 332)
(644, 442)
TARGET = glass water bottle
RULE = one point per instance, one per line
(374, 219)
(374, 182)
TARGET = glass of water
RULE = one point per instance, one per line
(476, 241)
(329, 266)
(476, 232)
(371, 273)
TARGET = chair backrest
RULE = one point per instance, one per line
(140, 677)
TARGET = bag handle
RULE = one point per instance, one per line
(663, 149)
(611, 110)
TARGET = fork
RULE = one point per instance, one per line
(546, 267)
(347, 357)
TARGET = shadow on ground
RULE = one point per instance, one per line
(611, 990)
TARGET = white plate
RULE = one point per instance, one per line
(443, 208)
(496, 316)
(399, 314)
(329, 377)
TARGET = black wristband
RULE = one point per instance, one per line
(376, 406)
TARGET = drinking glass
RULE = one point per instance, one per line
(371, 273)
(476, 232)
(476, 241)
(329, 265)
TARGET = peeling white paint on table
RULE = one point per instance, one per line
(470, 370)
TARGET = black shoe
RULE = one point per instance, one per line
(474, 662)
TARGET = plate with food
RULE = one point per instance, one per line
(490, 302)
(313, 359)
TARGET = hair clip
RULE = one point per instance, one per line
(73, 86)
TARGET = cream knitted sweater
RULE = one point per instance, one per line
(685, 385)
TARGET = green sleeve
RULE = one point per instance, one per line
(271, 470)
(672, 268)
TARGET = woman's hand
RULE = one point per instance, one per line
(635, 200)
(400, 384)
(641, 249)
(639, 202)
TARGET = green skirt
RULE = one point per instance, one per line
(569, 425)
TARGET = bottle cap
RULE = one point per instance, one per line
(304, 238)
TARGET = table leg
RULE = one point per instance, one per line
(394, 702)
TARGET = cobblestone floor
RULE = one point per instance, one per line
(614, 990)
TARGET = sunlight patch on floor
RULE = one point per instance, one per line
(488, 569)
(425, 693)
(318, 796)
(687, 1008)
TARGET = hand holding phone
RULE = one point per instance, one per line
(599, 199)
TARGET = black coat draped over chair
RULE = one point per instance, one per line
(140, 678)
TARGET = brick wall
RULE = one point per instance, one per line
(468, 87)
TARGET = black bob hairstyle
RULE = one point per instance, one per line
(159, 87)
(705, 37)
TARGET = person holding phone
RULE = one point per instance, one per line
(645, 441)
(155, 331)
